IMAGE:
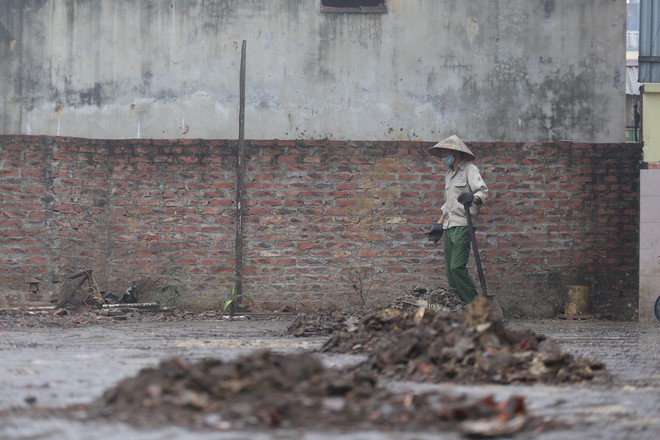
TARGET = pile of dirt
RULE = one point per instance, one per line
(265, 390)
(437, 298)
(329, 322)
(326, 323)
(435, 346)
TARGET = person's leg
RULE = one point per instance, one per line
(465, 288)
(448, 256)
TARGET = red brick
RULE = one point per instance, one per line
(165, 202)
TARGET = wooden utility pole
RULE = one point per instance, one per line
(240, 167)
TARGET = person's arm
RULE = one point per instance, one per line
(443, 215)
(477, 184)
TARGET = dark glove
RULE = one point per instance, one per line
(435, 233)
(466, 199)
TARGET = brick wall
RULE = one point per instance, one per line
(316, 214)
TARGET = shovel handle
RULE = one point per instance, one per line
(475, 249)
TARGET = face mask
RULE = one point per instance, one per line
(448, 161)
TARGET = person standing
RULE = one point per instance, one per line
(464, 189)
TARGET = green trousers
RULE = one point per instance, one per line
(457, 251)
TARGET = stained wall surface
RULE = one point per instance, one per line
(498, 70)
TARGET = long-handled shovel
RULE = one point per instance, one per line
(497, 309)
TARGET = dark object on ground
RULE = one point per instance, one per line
(130, 296)
(111, 298)
(435, 233)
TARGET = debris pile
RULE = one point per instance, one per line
(327, 323)
(265, 390)
(434, 346)
(82, 289)
(437, 299)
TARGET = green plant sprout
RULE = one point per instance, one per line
(235, 301)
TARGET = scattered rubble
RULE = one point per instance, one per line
(411, 342)
(49, 317)
(266, 390)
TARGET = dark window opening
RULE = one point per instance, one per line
(364, 6)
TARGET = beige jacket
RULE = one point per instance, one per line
(465, 179)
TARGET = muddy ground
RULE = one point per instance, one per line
(141, 376)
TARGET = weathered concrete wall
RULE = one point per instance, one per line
(512, 70)
(649, 243)
(649, 233)
(316, 212)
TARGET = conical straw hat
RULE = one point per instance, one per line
(454, 143)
